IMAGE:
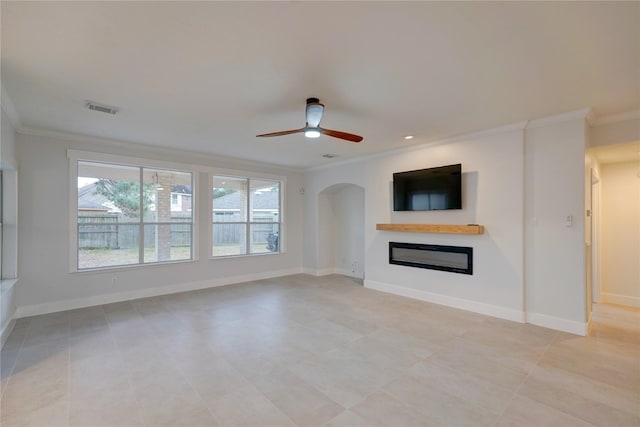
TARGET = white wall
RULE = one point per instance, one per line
(621, 233)
(554, 188)
(8, 284)
(45, 282)
(500, 178)
(492, 167)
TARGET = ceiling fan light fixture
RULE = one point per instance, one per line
(312, 133)
(312, 128)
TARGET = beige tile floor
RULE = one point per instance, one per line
(308, 351)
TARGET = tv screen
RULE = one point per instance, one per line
(428, 189)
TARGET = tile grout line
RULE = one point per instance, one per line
(524, 380)
(202, 401)
(135, 395)
(12, 369)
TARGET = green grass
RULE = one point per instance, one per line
(96, 258)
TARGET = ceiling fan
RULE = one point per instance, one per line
(312, 128)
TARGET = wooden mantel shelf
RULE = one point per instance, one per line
(433, 228)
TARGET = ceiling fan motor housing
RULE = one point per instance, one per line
(312, 128)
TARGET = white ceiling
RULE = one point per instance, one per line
(209, 76)
(617, 153)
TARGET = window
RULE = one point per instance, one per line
(246, 216)
(126, 215)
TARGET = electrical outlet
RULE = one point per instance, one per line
(114, 280)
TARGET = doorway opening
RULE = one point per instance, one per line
(341, 221)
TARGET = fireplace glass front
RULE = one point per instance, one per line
(455, 259)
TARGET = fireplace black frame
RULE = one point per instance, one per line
(437, 248)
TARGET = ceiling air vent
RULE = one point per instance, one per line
(329, 156)
(101, 107)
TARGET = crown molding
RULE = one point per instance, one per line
(6, 104)
(616, 118)
(513, 127)
(194, 157)
(582, 114)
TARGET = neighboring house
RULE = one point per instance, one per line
(181, 199)
(90, 201)
(265, 206)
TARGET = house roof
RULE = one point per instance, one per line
(209, 76)
(259, 200)
(88, 198)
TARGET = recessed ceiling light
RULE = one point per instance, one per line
(408, 137)
(329, 156)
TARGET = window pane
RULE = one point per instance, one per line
(167, 242)
(265, 238)
(167, 195)
(104, 242)
(229, 239)
(109, 188)
(112, 200)
(265, 201)
(229, 199)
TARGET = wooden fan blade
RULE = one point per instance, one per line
(283, 132)
(342, 135)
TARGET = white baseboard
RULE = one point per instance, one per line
(55, 306)
(347, 272)
(318, 272)
(6, 331)
(7, 308)
(620, 299)
(474, 306)
(559, 324)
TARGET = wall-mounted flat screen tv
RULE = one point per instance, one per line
(428, 189)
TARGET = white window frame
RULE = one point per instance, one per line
(234, 173)
(75, 156)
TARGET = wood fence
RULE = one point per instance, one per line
(108, 231)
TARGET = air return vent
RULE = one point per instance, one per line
(101, 107)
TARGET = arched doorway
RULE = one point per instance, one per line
(341, 230)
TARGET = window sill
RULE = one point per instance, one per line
(7, 284)
(246, 255)
(114, 268)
